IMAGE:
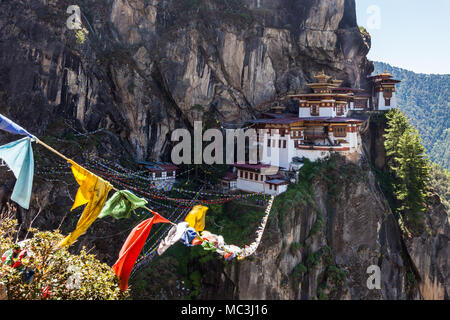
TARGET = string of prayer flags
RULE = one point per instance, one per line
(196, 218)
(18, 155)
(132, 248)
(212, 242)
(93, 191)
(11, 127)
(174, 235)
(121, 204)
(249, 250)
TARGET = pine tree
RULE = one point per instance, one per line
(409, 167)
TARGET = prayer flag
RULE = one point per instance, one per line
(132, 248)
(18, 155)
(11, 127)
(196, 218)
(121, 204)
(93, 191)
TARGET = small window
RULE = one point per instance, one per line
(241, 174)
(256, 176)
(284, 144)
(279, 143)
(340, 132)
(246, 175)
(251, 175)
(276, 187)
(262, 177)
(268, 143)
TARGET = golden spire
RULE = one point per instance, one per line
(322, 78)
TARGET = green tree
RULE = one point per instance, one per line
(409, 168)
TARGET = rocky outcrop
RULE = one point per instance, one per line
(323, 249)
(429, 252)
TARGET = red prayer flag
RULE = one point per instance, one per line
(132, 248)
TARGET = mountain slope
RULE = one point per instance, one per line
(425, 99)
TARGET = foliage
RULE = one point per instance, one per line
(424, 98)
(80, 35)
(440, 182)
(64, 275)
(235, 221)
(317, 225)
(409, 168)
(295, 248)
(302, 192)
(298, 272)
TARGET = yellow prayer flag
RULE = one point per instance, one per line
(196, 218)
(93, 191)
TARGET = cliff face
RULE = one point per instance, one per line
(146, 63)
(332, 241)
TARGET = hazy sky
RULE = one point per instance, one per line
(411, 34)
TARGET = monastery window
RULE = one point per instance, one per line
(276, 187)
(241, 173)
(246, 175)
(251, 175)
(256, 177)
(158, 175)
(279, 144)
(268, 143)
(340, 131)
(314, 110)
(387, 102)
(284, 144)
(282, 132)
(270, 186)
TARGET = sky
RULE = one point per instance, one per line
(410, 34)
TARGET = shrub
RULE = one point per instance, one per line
(50, 272)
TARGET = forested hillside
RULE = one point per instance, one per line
(424, 98)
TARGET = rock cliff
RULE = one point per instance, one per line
(144, 64)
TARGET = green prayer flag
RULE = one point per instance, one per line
(121, 204)
(209, 246)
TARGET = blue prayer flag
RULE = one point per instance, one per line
(11, 127)
(18, 155)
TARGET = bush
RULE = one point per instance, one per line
(50, 272)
